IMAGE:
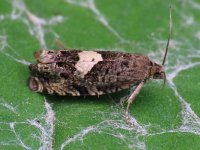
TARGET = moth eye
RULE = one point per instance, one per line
(156, 75)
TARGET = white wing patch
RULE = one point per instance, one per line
(87, 59)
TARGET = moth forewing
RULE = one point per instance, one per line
(80, 73)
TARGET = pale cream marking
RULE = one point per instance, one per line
(87, 59)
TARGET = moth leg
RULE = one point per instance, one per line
(92, 90)
(73, 91)
(123, 100)
(60, 44)
(131, 99)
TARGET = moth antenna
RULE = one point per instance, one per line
(169, 37)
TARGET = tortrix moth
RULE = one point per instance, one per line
(80, 73)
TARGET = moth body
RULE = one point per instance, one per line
(82, 73)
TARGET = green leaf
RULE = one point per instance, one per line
(165, 118)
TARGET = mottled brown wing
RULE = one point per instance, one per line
(112, 72)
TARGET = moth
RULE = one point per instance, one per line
(73, 72)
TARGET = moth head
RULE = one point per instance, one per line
(157, 71)
(44, 56)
